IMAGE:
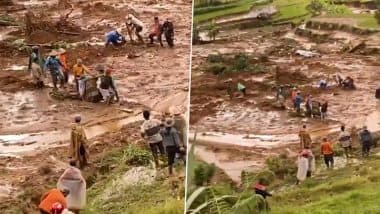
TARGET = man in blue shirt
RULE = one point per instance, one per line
(297, 102)
(53, 65)
(115, 38)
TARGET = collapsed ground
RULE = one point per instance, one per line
(35, 127)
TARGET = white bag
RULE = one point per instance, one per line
(303, 165)
(72, 180)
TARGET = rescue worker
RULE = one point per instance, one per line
(65, 67)
(53, 65)
(305, 139)
(168, 30)
(365, 137)
(72, 180)
(36, 66)
(345, 140)
(156, 31)
(171, 142)
(50, 198)
(115, 38)
(107, 85)
(328, 153)
(150, 131)
(80, 71)
(78, 147)
(135, 26)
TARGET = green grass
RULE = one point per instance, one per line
(154, 198)
(363, 20)
(241, 6)
(291, 10)
(353, 189)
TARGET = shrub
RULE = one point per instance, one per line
(215, 58)
(281, 167)
(209, 172)
(199, 175)
(216, 68)
(135, 155)
(241, 62)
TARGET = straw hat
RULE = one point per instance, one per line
(174, 110)
(53, 53)
(61, 51)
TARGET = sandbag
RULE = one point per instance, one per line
(302, 168)
(72, 180)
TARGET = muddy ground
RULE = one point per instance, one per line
(35, 127)
(255, 123)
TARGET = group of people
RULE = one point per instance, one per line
(306, 160)
(57, 65)
(165, 137)
(136, 27)
(313, 107)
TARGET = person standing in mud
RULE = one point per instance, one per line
(107, 85)
(305, 139)
(365, 137)
(80, 71)
(180, 125)
(156, 32)
(323, 110)
(78, 147)
(65, 67)
(297, 102)
(168, 30)
(328, 153)
(135, 26)
(345, 140)
(53, 65)
(309, 106)
(36, 66)
(171, 141)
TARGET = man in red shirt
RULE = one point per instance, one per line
(328, 153)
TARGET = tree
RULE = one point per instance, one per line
(212, 31)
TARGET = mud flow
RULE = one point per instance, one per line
(255, 126)
(34, 122)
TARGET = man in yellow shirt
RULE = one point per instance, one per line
(79, 71)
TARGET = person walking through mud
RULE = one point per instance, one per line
(156, 31)
(365, 137)
(53, 65)
(150, 131)
(36, 66)
(345, 141)
(305, 139)
(309, 106)
(168, 30)
(180, 125)
(65, 67)
(107, 85)
(80, 71)
(297, 102)
(328, 153)
(171, 142)
(135, 26)
(53, 196)
(78, 148)
(305, 164)
(323, 110)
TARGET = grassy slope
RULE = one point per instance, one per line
(241, 6)
(156, 198)
(353, 189)
(291, 9)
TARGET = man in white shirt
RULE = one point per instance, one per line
(345, 140)
(134, 25)
(150, 131)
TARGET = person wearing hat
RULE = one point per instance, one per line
(305, 139)
(134, 25)
(115, 38)
(180, 124)
(168, 30)
(36, 66)
(156, 31)
(53, 196)
(78, 147)
(107, 85)
(53, 65)
(80, 71)
(65, 67)
(171, 141)
(365, 138)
